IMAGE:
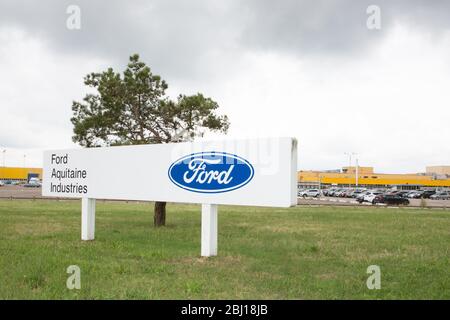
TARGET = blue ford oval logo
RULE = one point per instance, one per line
(211, 172)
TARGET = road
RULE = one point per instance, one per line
(21, 192)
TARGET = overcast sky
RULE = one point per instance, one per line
(309, 69)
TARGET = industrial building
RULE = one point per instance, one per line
(19, 174)
(434, 176)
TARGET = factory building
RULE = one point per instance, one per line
(435, 176)
(19, 174)
(438, 170)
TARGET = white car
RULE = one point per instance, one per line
(2, 183)
(414, 195)
(311, 193)
(369, 197)
(441, 196)
(34, 180)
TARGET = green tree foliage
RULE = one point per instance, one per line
(133, 109)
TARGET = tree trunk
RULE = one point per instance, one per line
(160, 214)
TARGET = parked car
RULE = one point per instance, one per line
(347, 193)
(360, 197)
(331, 192)
(428, 193)
(356, 193)
(417, 194)
(390, 199)
(34, 180)
(11, 182)
(369, 196)
(315, 193)
(441, 196)
(403, 193)
(2, 183)
(32, 184)
(343, 193)
(339, 193)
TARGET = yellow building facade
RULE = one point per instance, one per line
(366, 176)
(437, 176)
(17, 173)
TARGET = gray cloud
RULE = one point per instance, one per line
(184, 39)
(334, 27)
(176, 37)
(202, 44)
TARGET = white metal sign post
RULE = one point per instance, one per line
(253, 172)
(87, 218)
(209, 230)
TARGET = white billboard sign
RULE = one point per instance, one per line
(257, 172)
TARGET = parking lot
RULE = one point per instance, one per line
(352, 202)
(371, 197)
(21, 192)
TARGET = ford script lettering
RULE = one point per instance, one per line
(211, 172)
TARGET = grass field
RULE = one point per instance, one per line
(264, 253)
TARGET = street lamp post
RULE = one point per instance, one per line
(349, 154)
